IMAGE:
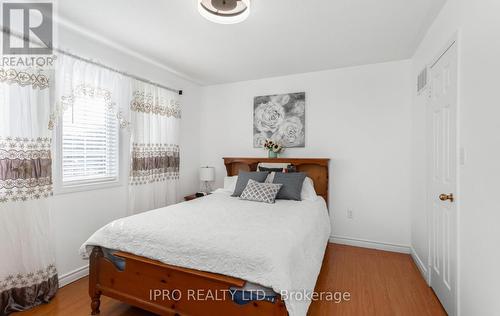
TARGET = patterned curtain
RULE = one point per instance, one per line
(154, 170)
(28, 275)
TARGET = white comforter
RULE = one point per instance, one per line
(277, 245)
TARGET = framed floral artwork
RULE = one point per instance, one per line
(281, 118)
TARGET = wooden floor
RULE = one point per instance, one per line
(379, 283)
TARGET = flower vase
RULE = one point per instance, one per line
(272, 154)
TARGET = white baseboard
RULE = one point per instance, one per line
(73, 275)
(369, 244)
(420, 265)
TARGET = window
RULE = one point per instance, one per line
(89, 141)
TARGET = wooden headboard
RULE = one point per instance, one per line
(315, 168)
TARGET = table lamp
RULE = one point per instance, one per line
(207, 175)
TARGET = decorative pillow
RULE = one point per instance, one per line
(292, 185)
(260, 192)
(308, 193)
(270, 177)
(289, 168)
(270, 169)
(243, 178)
(273, 164)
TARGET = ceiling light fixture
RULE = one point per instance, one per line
(224, 11)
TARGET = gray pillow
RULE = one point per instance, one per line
(292, 185)
(260, 192)
(243, 178)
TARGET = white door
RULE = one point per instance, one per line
(442, 149)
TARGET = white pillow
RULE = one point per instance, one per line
(308, 193)
(230, 183)
(270, 177)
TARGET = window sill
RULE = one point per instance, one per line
(87, 186)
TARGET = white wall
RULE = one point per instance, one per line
(77, 215)
(359, 117)
(479, 135)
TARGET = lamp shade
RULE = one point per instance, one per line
(207, 173)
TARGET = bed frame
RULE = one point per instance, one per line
(315, 168)
(143, 279)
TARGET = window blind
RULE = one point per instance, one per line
(89, 142)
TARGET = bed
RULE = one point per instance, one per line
(200, 257)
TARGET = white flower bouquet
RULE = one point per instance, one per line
(273, 148)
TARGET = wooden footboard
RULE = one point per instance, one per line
(169, 290)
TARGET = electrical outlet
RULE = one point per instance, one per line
(349, 213)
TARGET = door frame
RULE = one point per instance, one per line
(454, 40)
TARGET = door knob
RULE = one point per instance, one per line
(444, 197)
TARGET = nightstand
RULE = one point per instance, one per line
(192, 197)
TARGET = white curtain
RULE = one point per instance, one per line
(76, 78)
(28, 274)
(154, 170)
(31, 103)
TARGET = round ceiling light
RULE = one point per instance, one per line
(224, 11)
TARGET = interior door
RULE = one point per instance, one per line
(443, 178)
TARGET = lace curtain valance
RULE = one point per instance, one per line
(79, 79)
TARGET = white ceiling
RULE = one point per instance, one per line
(280, 37)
